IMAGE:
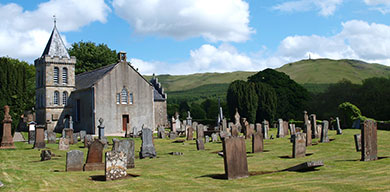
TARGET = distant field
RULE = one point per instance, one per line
(21, 170)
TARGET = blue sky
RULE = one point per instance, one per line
(192, 36)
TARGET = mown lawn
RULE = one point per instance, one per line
(22, 170)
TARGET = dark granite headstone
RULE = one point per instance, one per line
(358, 142)
(234, 156)
(88, 139)
(74, 160)
(39, 137)
(369, 141)
(299, 145)
(115, 167)
(126, 146)
(199, 144)
(51, 137)
(324, 134)
(63, 144)
(147, 147)
(7, 141)
(257, 142)
(45, 155)
(95, 156)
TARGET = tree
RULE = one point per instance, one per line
(267, 102)
(242, 95)
(210, 106)
(197, 112)
(91, 56)
(292, 97)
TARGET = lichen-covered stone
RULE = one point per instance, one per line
(115, 165)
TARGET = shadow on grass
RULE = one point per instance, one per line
(179, 141)
(264, 151)
(103, 177)
(352, 160)
(290, 157)
(252, 173)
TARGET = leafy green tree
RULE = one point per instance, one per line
(267, 102)
(374, 98)
(242, 95)
(91, 56)
(197, 112)
(292, 97)
(172, 109)
(349, 112)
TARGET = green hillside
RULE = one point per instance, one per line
(314, 74)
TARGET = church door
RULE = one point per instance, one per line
(125, 121)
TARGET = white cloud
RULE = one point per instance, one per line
(382, 6)
(325, 7)
(24, 34)
(216, 20)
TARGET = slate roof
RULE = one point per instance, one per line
(157, 96)
(55, 46)
(87, 79)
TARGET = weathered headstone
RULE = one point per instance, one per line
(214, 137)
(307, 130)
(292, 129)
(299, 145)
(319, 129)
(190, 133)
(18, 137)
(101, 128)
(324, 134)
(95, 156)
(51, 137)
(126, 146)
(234, 156)
(313, 121)
(31, 132)
(69, 135)
(115, 167)
(311, 165)
(75, 138)
(339, 130)
(104, 141)
(7, 141)
(39, 137)
(161, 132)
(88, 140)
(206, 139)
(172, 135)
(189, 119)
(280, 133)
(285, 128)
(200, 132)
(63, 144)
(258, 128)
(257, 142)
(265, 129)
(45, 155)
(147, 147)
(74, 160)
(235, 131)
(369, 141)
(199, 144)
(83, 133)
(358, 142)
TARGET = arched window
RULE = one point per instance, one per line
(64, 98)
(65, 75)
(124, 96)
(131, 98)
(56, 97)
(56, 75)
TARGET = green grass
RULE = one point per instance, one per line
(21, 170)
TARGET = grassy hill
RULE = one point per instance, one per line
(314, 74)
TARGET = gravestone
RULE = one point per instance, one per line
(18, 137)
(88, 140)
(292, 129)
(115, 166)
(31, 132)
(206, 139)
(95, 156)
(285, 128)
(265, 129)
(173, 124)
(310, 165)
(101, 128)
(369, 141)
(214, 137)
(305, 117)
(51, 137)
(200, 132)
(199, 144)
(74, 160)
(189, 118)
(7, 141)
(147, 147)
(63, 144)
(299, 145)
(224, 124)
(39, 137)
(126, 146)
(75, 138)
(83, 133)
(235, 131)
(358, 142)
(234, 156)
(307, 130)
(190, 133)
(339, 130)
(257, 142)
(69, 135)
(172, 135)
(258, 128)
(104, 141)
(45, 155)
(161, 132)
(324, 134)
(313, 121)
(223, 134)
(319, 129)
(280, 133)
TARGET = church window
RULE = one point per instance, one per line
(124, 96)
(56, 75)
(118, 98)
(64, 98)
(65, 75)
(131, 98)
(56, 97)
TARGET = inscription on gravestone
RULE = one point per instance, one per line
(234, 156)
(369, 141)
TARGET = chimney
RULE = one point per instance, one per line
(122, 56)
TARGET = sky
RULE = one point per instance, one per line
(194, 36)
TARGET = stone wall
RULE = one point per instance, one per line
(160, 113)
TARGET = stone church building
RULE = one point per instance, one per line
(118, 93)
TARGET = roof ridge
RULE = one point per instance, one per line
(100, 68)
